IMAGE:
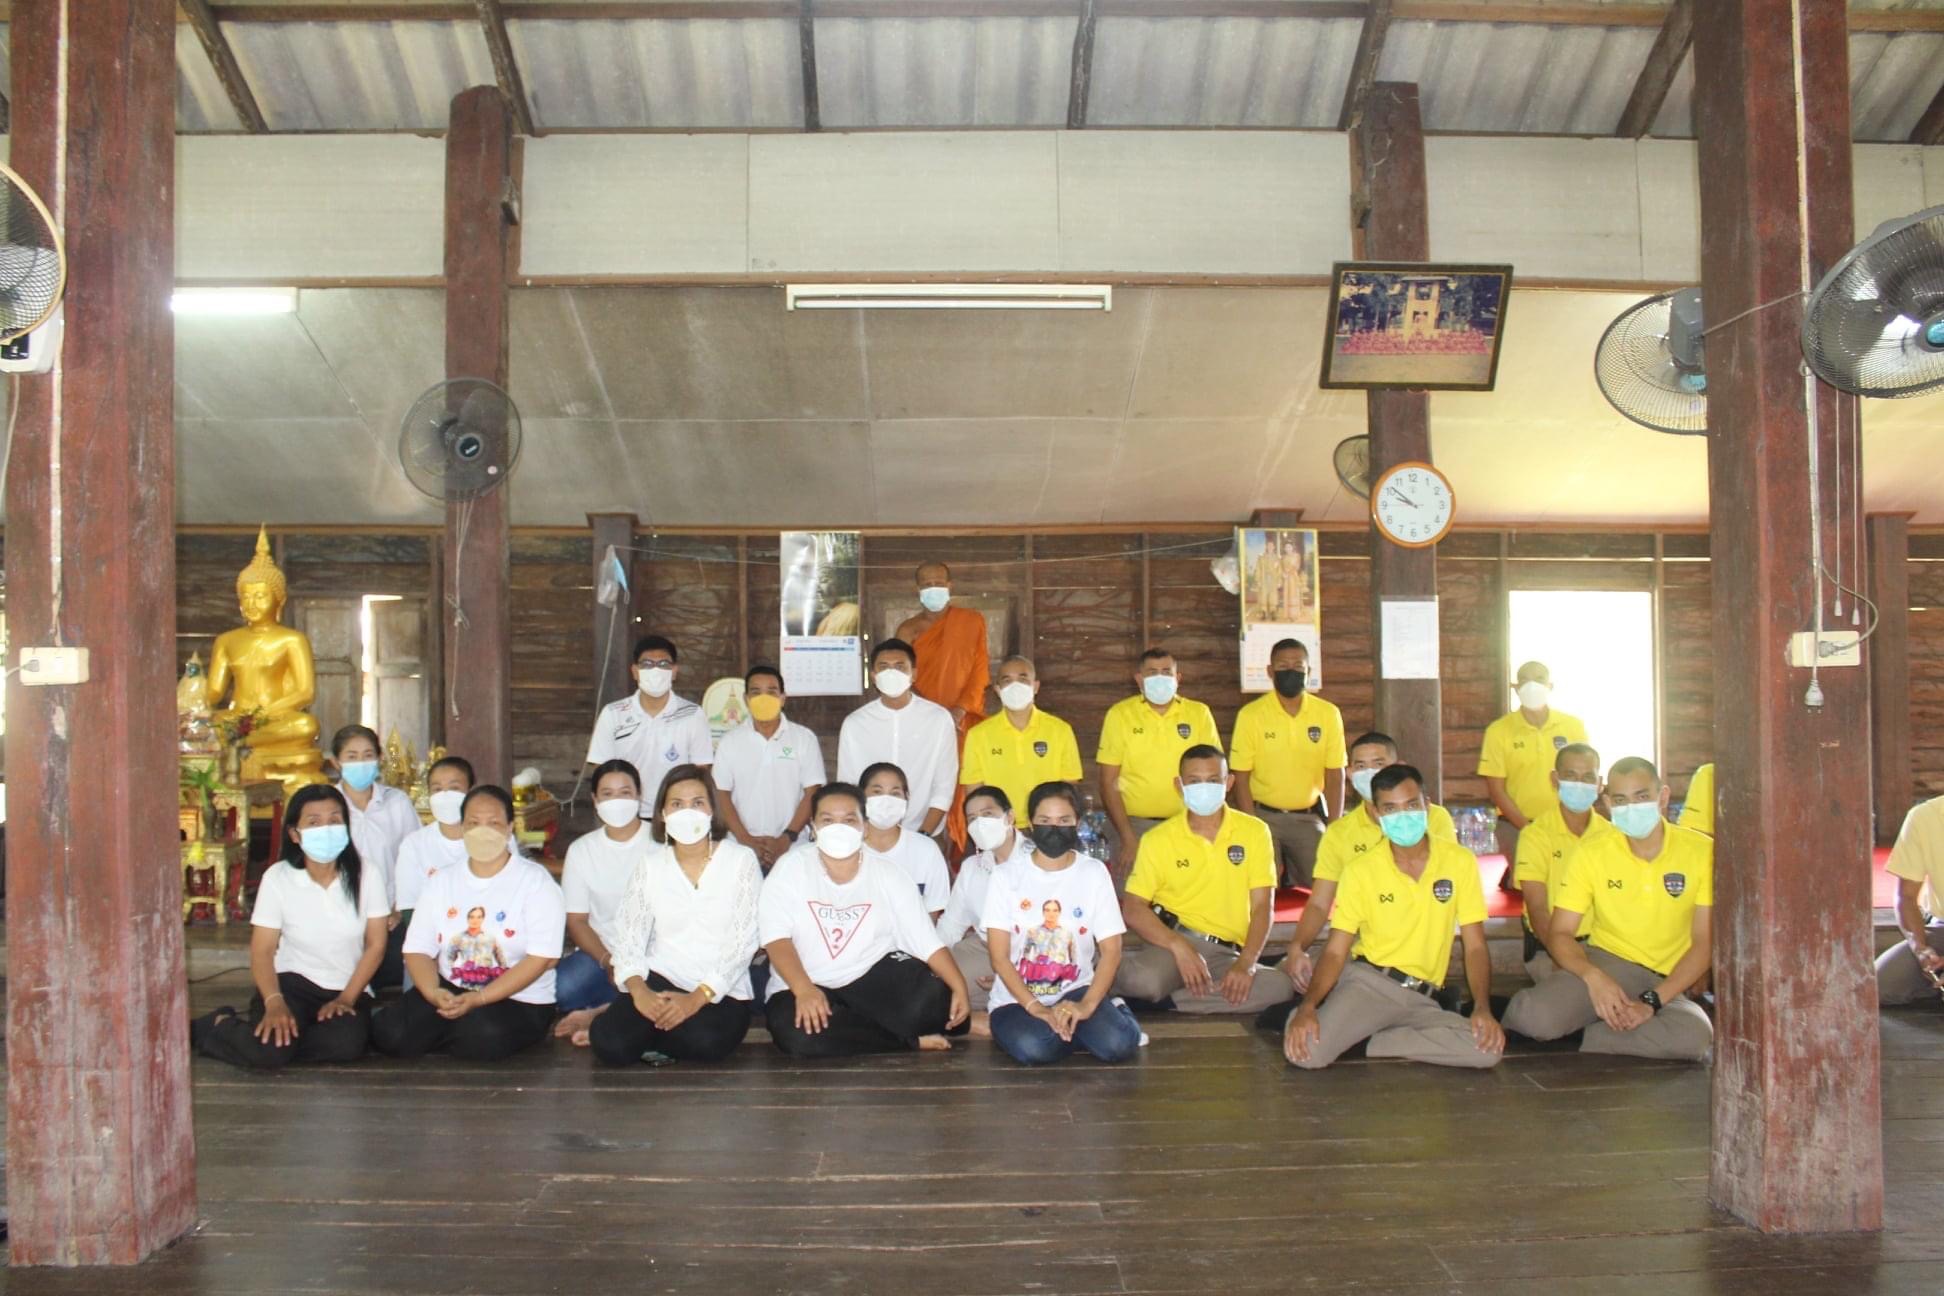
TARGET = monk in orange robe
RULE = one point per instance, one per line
(953, 669)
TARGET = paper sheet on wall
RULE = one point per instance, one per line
(1410, 638)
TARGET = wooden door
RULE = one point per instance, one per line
(398, 651)
(337, 648)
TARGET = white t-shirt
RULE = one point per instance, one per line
(322, 931)
(691, 933)
(840, 932)
(378, 829)
(919, 856)
(596, 878)
(919, 738)
(420, 856)
(678, 734)
(965, 911)
(766, 777)
(1079, 904)
(481, 928)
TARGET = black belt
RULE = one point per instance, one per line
(1404, 979)
(1312, 813)
(1174, 923)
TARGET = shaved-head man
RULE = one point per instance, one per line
(1021, 747)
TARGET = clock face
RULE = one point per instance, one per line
(1412, 505)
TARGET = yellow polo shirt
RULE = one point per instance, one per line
(1284, 755)
(1918, 855)
(1642, 910)
(1148, 746)
(1697, 812)
(1205, 883)
(1545, 845)
(1523, 756)
(1355, 833)
(1019, 760)
(1409, 925)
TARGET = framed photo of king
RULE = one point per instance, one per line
(1415, 326)
(1281, 599)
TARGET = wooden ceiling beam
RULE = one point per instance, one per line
(1657, 75)
(1363, 68)
(1080, 85)
(1930, 127)
(807, 53)
(210, 32)
(506, 69)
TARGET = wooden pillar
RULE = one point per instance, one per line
(1797, 1144)
(613, 627)
(1392, 218)
(481, 203)
(1893, 780)
(100, 1149)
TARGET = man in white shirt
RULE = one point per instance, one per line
(917, 736)
(652, 729)
(769, 766)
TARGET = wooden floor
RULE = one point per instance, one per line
(1205, 1166)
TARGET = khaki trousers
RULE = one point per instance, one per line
(1296, 837)
(974, 960)
(1149, 972)
(1561, 1004)
(1367, 1005)
(1899, 979)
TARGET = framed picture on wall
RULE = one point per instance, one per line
(823, 616)
(1415, 326)
(1280, 595)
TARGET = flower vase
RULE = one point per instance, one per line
(231, 770)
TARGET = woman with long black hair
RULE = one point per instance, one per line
(316, 937)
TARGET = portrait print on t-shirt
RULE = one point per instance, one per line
(1051, 960)
(477, 957)
(838, 923)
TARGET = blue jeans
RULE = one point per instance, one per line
(580, 982)
(1111, 1034)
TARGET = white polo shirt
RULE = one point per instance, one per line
(678, 734)
(321, 932)
(421, 855)
(919, 738)
(966, 909)
(766, 777)
(922, 862)
(380, 829)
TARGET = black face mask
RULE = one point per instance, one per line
(1054, 840)
(1291, 683)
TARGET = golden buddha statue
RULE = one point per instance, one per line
(275, 680)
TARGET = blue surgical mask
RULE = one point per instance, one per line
(1405, 827)
(325, 842)
(1204, 798)
(1578, 797)
(1360, 780)
(359, 775)
(1158, 689)
(1637, 819)
(935, 597)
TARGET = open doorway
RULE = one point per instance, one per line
(369, 655)
(1599, 645)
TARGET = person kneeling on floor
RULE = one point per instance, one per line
(1649, 890)
(1390, 947)
(855, 963)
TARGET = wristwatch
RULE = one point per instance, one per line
(708, 995)
(1651, 999)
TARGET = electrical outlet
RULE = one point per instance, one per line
(1838, 648)
(53, 665)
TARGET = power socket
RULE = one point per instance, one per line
(1838, 648)
(53, 665)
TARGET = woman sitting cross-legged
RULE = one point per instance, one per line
(1048, 916)
(685, 935)
(884, 835)
(316, 936)
(855, 964)
(600, 866)
(481, 949)
(989, 822)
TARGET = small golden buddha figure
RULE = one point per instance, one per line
(270, 665)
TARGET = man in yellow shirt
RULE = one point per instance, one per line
(1289, 744)
(1649, 890)
(1390, 948)
(1698, 811)
(1517, 758)
(1906, 971)
(1021, 747)
(1199, 900)
(1549, 841)
(1141, 743)
(1352, 836)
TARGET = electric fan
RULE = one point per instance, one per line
(1874, 326)
(1649, 364)
(33, 268)
(1352, 461)
(460, 440)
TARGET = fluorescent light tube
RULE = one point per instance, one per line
(949, 296)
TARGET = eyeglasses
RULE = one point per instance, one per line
(649, 663)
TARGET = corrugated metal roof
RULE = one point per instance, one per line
(944, 71)
(1893, 78)
(201, 102)
(671, 74)
(1221, 71)
(371, 76)
(1522, 78)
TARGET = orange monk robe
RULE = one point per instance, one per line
(953, 671)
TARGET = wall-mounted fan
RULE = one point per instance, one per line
(1650, 364)
(1874, 326)
(1351, 459)
(33, 268)
(460, 439)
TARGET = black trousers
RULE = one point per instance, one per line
(883, 1011)
(341, 1039)
(412, 1028)
(621, 1035)
(391, 971)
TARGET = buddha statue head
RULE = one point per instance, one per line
(260, 588)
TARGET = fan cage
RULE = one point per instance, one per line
(1639, 375)
(33, 268)
(1864, 326)
(460, 440)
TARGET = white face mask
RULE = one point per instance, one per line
(1016, 696)
(987, 832)
(885, 811)
(839, 841)
(893, 683)
(1533, 695)
(687, 826)
(657, 680)
(446, 806)
(935, 597)
(618, 812)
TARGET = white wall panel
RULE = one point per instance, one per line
(635, 204)
(1554, 208)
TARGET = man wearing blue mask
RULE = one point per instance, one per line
(1199, 900)
(1390, 948)
(1141, 745)
(1648, 890)
(1516, 758)
(1550, 840)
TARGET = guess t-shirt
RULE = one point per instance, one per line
(1055, 921)
(841, 931)
(478, 929)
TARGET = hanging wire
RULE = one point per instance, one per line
(956, 564)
